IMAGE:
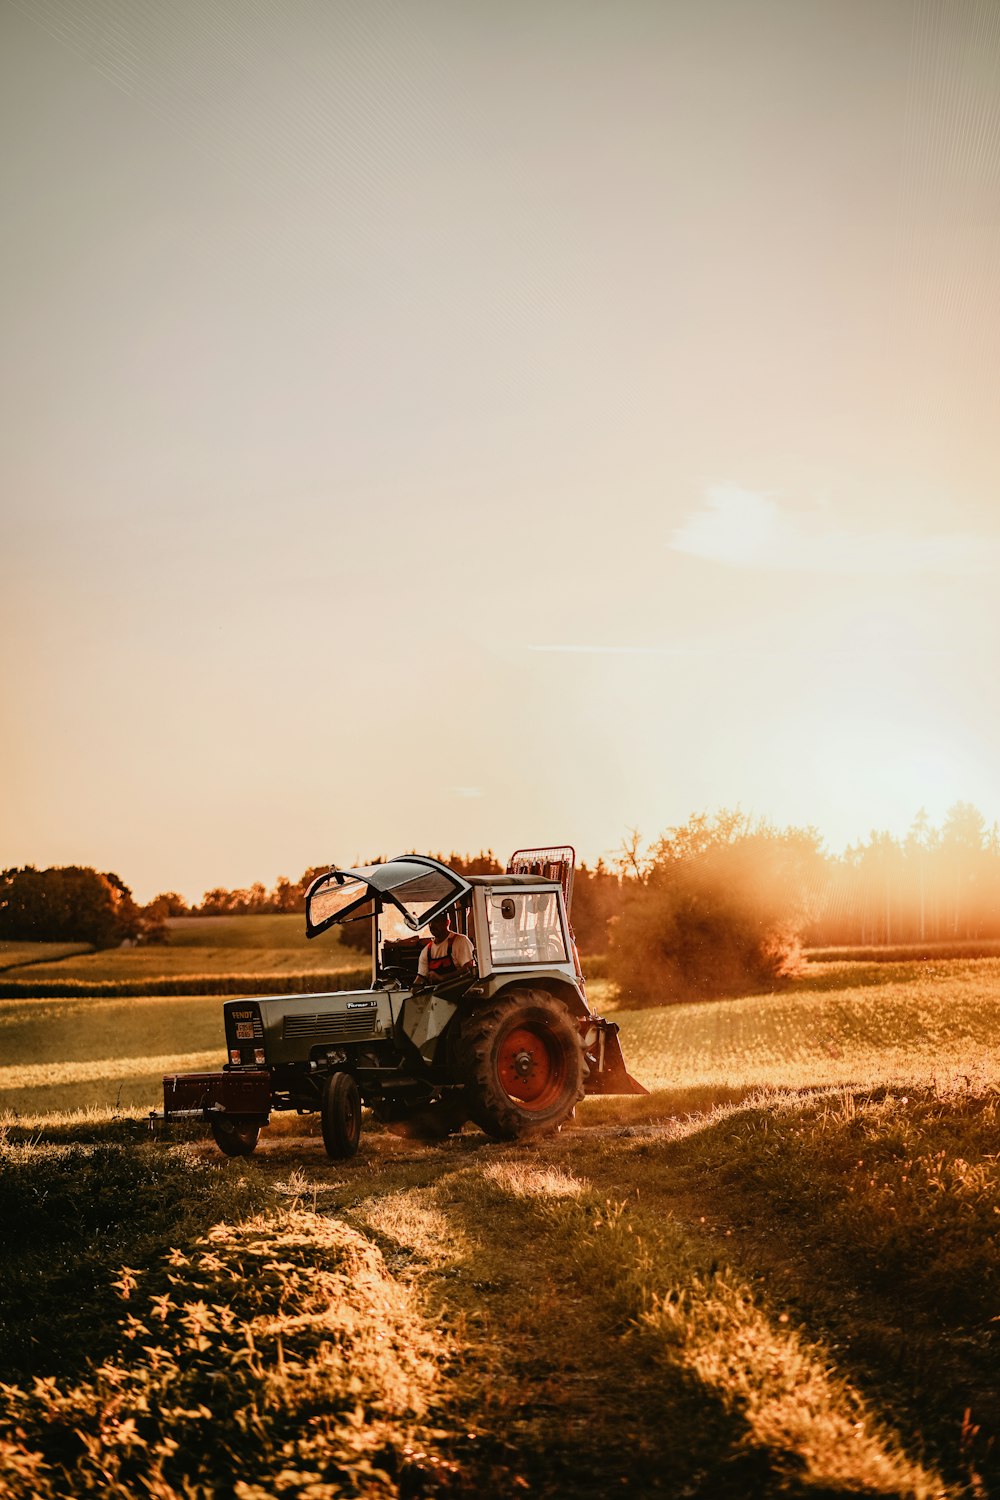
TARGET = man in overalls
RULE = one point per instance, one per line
(447, 956)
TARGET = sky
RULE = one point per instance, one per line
(432, 426)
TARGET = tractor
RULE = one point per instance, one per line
(510, 1043)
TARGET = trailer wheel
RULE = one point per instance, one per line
(236, 1135)
(522, 1058)
(341, 1116)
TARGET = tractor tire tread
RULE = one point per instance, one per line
(492, 1109)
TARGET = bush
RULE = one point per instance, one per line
(717, 908)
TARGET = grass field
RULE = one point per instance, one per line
(198, 945)
(777, 1275)
(267, 931)
(17, 955)
(898, 1022)
(207, 955)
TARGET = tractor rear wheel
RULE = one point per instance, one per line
(340, 1113)
(522, 1059)
(236, 1135)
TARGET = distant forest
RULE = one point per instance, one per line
(934, 885)
(689, 889)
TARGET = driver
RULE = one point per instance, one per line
(448, 955)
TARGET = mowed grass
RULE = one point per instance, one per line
(76, 1054)
(172, 963)
(269, 944)
(757, 1281)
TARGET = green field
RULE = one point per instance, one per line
(254, 954)
(16, 955)
(268, 931)
(924, 1024)
(898, 1022)
(776, 1275)
(197, 945)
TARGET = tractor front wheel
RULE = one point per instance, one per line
(522, 1059)
(236, 1135)
(341, 1116)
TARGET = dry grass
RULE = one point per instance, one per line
(267, 1359)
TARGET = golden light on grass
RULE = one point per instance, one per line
(702, 1322)
(416, 1220)
(524, 1180)
(940, 1022)
(104, 1069)
(291, 1314)
(783, 1386)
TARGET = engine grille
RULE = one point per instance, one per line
(331, 1026)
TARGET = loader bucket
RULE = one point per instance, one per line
(613, 1077)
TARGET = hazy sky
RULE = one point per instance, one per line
(432, 425)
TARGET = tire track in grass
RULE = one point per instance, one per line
(601, 1349)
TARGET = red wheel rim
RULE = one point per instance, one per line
(531, 1066)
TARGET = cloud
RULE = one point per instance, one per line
(596, 650)
(867, 649)
(743, 528)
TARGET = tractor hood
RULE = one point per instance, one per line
(418, 887)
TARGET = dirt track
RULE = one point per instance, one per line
(542, 1267)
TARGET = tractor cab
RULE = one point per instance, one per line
(518, 920)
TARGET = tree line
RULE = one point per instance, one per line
(720, 904)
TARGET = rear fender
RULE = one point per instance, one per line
(553, 983)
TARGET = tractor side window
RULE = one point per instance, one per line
(525, 928)
(328, 900)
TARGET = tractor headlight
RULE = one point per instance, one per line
(234, 1056)
(258, 1055)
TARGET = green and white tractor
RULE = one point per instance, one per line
(510, 1043)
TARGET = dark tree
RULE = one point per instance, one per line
(67, 904)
